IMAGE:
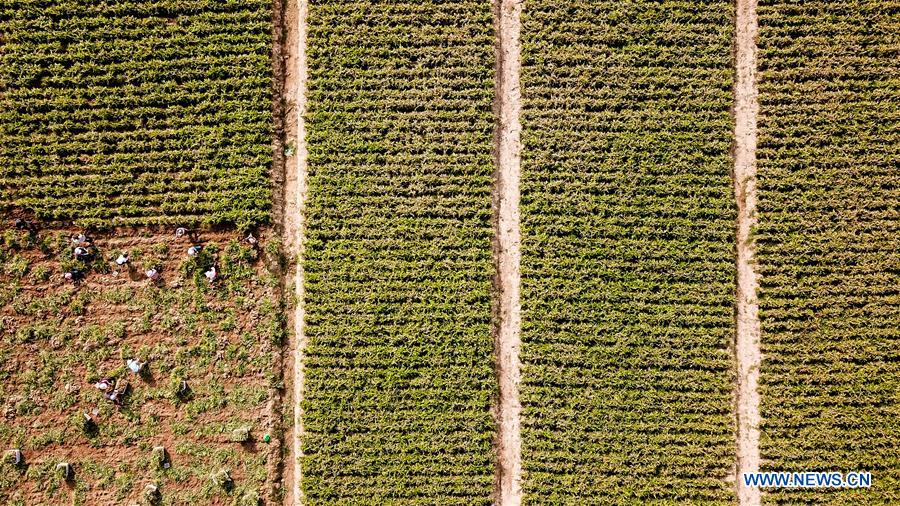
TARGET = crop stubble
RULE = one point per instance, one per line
(56, 340)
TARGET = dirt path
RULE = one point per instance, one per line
(506, 251)
(747, 344)
(292, 220)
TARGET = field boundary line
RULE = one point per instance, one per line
(293, 220)
(747, 338)
(275, 423)
(507, 255)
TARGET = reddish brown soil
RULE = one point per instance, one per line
(217, 337)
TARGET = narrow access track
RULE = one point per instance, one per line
(295, 190)
(747, 340)
(507, 254)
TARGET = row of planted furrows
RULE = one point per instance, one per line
(829, 243)
(627, 251)
(186, 421)
(137, 112)
(399, 366)
(627, 261)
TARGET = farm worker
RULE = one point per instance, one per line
(82, 254)
(21, 224)
(73, 275)
(180, 232)
(102, 384)
(115, 396)
(152, 274)
(118, 391)
(80, 239)
(211, 274)
(134, 366)
(194, 251)
(122, 260)
(250, 239)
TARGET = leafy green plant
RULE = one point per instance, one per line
(400, 372)
(41, 273)
(16, 267)
(181, 135)
(627, 220)
(828, 247)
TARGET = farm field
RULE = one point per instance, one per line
(136, 112)
(372, 148)
(58, 339)
(829, 243)
(627, 252)
(133, 114)
(399, 366)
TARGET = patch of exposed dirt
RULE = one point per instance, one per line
(747, 341)
(294, 197)
(507, 310)
(57, 339)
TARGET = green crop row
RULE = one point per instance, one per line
(138, 113)
(399, 365)
(829, 243)
(627, 252)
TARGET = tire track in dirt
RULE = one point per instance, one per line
(295, 188)
(507, 254)
(747, 341)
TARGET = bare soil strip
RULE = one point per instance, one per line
(295, 187)
(507, 252)
(275, 423)
(747, 343)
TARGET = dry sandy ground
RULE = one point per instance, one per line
(747, 345)
(506, 251)
(294, 54)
